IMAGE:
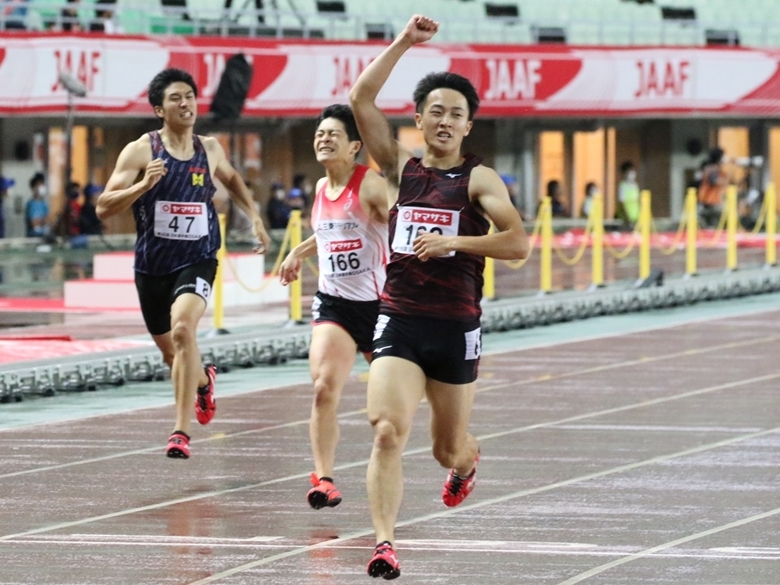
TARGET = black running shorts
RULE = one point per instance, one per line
(358, 318)
(447, 351)
(157, 293)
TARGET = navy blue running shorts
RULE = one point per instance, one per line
(157, 293)
(447, 351)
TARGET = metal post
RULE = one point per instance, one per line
(691, 228)
(731, 228)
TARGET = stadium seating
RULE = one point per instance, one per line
(579, 22)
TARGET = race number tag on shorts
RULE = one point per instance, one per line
(180, 221)
(415, 221)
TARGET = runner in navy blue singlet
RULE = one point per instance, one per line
(427, 341)
(178, 237)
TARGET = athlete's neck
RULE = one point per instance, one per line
(178, 142)
(443, 161)
(339, 174)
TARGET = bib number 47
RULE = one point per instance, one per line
(173, 225)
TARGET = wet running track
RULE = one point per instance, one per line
(631, 450)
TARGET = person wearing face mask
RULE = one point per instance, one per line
(591, 190)
(628, 194)
(36, 213)
(278, 208)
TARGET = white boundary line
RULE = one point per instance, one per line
(512, 496)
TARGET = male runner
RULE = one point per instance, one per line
(427, 340)
(349, 219)
(178, 237)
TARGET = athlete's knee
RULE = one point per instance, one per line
(182, 333)
(387, 434)
(325, 390)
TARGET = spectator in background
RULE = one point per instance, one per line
(591, 190)
(278, 208)
(628, 195)
(299, 195)
(711, 190)
(36, 212)
(89, 223)
(69, 16)
(554, 193)
(68, 221)
(5, 185)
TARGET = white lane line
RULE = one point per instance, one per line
(362, 462)
(488, 388)
(661, 547)
(506, 498)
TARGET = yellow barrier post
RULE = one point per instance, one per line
(645, 218)
(296, 287)
(219, 308)
(691, 228)
(770, 200)
(731, 228)
(597, 251)
(545, 254)
(489, 275)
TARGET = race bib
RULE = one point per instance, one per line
(415, 221)
(180, 221)
(346, 257)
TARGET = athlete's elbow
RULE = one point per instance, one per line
(358, 96)
(520, 248)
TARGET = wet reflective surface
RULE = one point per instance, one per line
(639, 458)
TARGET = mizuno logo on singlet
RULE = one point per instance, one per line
(453, 175)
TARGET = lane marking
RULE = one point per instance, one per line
(416, 451)
(512, 496)
(527, 381)
(672, 543)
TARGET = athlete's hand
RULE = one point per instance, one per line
(420, 29)
(428, 245)
(290, 269)
(155, 171)
(263, 239)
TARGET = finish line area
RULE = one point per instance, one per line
(639, 448)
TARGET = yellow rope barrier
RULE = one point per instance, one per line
(761, 218)
(583, 246)
(274, 271)
(619, 255)
(709, 243)
(312, 266)
(515, 264)
(678, 238)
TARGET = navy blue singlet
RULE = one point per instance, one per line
(183, 234)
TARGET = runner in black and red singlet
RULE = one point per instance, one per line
(427, 340)
(349, 219)
(178, 237)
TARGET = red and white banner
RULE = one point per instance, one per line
(299, 78)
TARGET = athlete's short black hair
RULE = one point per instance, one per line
(165, 78)
(342, 113)
(446, 80)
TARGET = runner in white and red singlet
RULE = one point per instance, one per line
(427, 340)
(349, 219)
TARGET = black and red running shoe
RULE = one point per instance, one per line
(384, 563)
(205, 403)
